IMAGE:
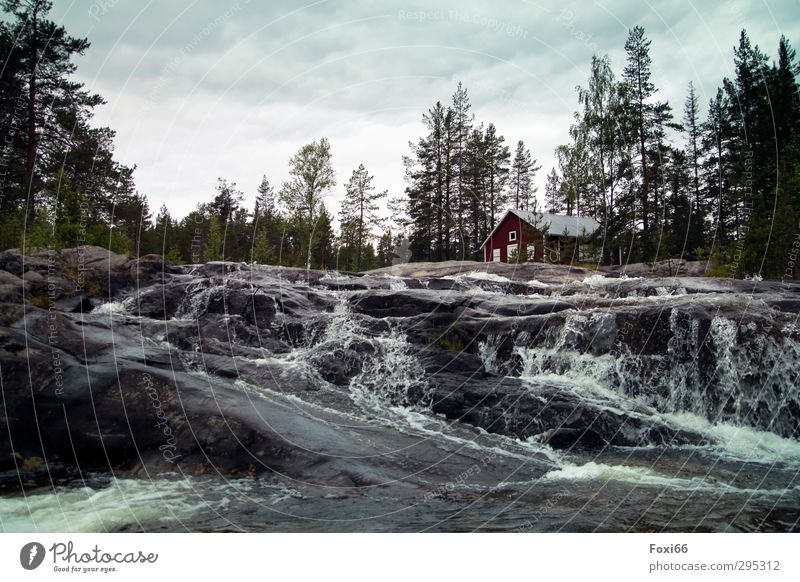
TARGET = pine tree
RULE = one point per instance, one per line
(784, 95)
(359, 214)
(475, 222)
(553, 202)
(496, 157)
(322, 253)
(523, 172)
(647, 122)
(692, 127)
(717, 169)
(385, 250)
(639, 90)
(44, 64)
(266, 225)
(426, 175)
(461, 128)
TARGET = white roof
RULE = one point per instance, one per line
(556, 224)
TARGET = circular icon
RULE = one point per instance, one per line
(31, 555)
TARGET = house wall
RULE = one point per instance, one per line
(526, 234)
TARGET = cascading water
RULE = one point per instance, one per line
(429, 403)
(732, 373)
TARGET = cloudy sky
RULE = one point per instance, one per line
(199, 89)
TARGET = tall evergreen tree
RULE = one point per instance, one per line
(553, 201)
(716, 169)
(639, 91)
(53, 104)
(322, 251)
(523, 172)
(784, 95)
(266, 230)
(692, 127)
(461, 127)
(359, 214)
(475, 216)
(496, 155)
(385, 249)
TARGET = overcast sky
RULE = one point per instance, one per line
(203, 89)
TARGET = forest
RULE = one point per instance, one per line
(717, 181)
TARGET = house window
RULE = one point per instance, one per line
(531, 252)
(495, 255)
(512, 236)
(511, 253)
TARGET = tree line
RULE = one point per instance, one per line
(719, 182)
(461, 177)
(61, 187)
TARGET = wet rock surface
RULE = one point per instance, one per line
(399, 379)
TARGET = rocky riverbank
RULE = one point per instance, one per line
(402, 379)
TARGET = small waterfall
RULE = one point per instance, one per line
(713, 368)
(391, 373)
(385, 365)
(487, 351)
(198, 297)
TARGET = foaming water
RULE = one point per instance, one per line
(114, 307)
(480, 276)
(725, 371)
(376, 392)
(121, 503)
(741, 442)
(97, 508)
(645, 477)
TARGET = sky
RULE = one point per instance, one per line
(200, 89)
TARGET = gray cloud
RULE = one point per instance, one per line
(201, 89)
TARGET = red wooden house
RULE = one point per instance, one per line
(541, 237)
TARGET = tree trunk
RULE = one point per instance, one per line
(30, 156)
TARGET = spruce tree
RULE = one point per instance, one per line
(359, 214)
(692, 128)
(496, 155)
(523, 172)
(44, 63)
(640, 89)
(553, 201)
